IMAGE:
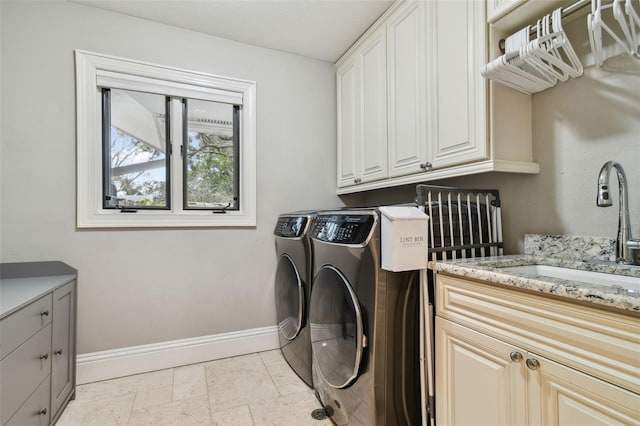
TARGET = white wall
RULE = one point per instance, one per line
(577, 126)
(146, 286)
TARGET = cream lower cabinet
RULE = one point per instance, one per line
(571, 366)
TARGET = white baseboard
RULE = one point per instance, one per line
(104, 365)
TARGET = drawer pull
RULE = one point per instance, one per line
(44, 356)
(44, 313)
(58, 352)
(515, 356)
(43, 412)
(533, 363)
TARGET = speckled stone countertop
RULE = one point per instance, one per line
(489, 269)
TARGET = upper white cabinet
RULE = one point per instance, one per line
(459, 90)
(407, 101)
(426, 102)
(362, 113)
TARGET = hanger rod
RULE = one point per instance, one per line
(566, 11)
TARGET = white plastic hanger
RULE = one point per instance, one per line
(565, 49)
(536, 62)
(634, 24)
(595, 26)
(621, 18)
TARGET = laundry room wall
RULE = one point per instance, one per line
(577, 127)
(145, 286)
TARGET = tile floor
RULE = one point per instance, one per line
(256, 389)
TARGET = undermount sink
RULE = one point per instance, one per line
(624, 283)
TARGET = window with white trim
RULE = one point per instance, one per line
(163, 147)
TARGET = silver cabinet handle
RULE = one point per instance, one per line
(426, 166)
(533, 363)
(43, 412)
(44, 356)
(58, 352)
(44, 313)
(357, 180)
(515, 356)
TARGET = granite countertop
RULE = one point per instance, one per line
(489, 269)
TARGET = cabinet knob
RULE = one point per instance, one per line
(515, 356)
(44, 356)
(426, 166)
(43, 412)
(533, 363)
(44, 313)
(357, 180)
(58, 352)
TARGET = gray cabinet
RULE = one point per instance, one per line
(63, 348)
(37, 341)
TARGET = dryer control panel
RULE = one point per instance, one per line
(291, 226)
(343, 228)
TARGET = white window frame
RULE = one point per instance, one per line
(94, 70)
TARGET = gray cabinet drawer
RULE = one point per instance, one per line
(35, 411)
(19, 326)
(23, 370)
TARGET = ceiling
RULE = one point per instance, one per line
(321, 29)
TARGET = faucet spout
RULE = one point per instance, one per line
(604, 200)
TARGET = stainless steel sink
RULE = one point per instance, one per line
(626, 283)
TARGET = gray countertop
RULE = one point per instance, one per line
(16, 293)
(489, 269)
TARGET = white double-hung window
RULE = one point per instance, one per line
(163, 147)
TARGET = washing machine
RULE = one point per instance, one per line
(293, 289)
(364, 325)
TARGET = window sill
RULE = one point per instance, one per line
(146, 219)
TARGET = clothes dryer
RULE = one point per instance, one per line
(364, 325)
(293, 289)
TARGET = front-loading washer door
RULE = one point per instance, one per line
(289, 289)
(337, 338)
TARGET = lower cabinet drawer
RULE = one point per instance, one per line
(35, 411)
(23, 371)
(20, 325)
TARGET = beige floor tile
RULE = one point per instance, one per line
(189, 382)
(238, 381)
(285, 379)
(125, 385)
(149, 398)
(237, 416)
(112, 411)
(187, 412)
(294, 409)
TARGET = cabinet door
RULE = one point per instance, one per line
(559, 395)
(373, 58)
(407, 106)
(348, 122)
(63, 347)
(460, 90)
(477, 382)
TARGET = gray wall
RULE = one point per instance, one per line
(140, 287)
(577, 126)
(146, 286)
